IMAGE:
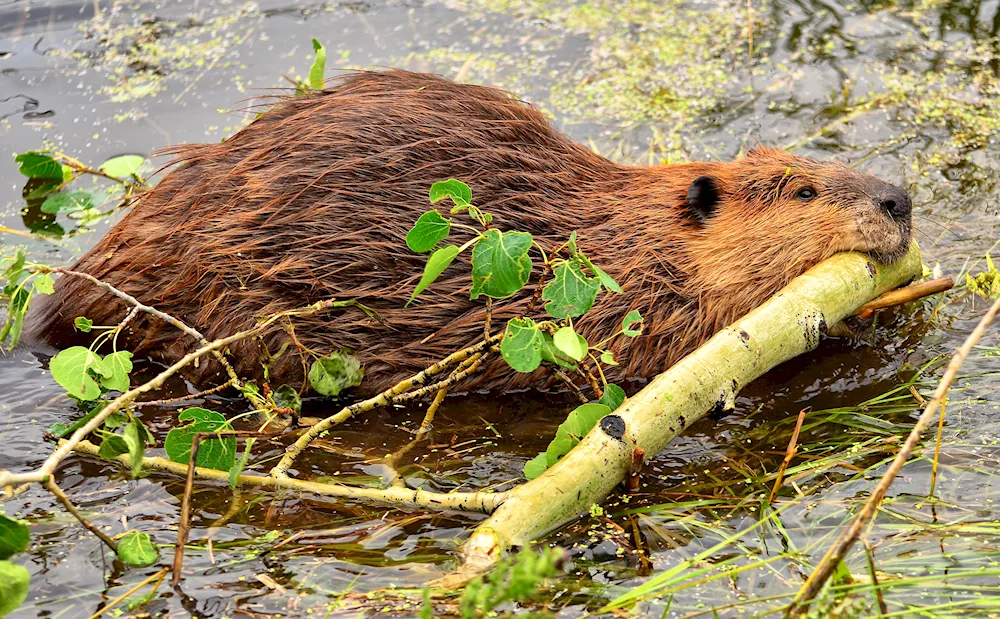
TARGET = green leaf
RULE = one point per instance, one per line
(123, 167)
(112, 446)
(318, 68)
(135, 438)
(632, 319)
(286, 396)
(67, 202)
(459, 192)
(500, 264)
(217, 453)
(45, 188)
(83, 323)
(331, 375)
(571, 293)
(569, 433)
(584, 418)
(613, 396)
(606, 280)
(34, 164)
(14, 536)
(571, 244)
(116, 420)
(608, 358)
(12, 274)
(521, 346)
(72, 368)
(241, 464)
(135, 548)
(535, 467)
(120, 364)
(95, 407)
(431, 228)
(17, 307)
(553, 355)
(14, 580)
(571, 343)
(44, 284)
(59, 430)
(436, 265)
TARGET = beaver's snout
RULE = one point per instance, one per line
(894, 201)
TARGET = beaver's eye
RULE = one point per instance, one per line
(806, 193)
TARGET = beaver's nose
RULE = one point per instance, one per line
(894, 201)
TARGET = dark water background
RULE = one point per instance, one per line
(908, 91)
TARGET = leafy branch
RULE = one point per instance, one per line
(501, 267)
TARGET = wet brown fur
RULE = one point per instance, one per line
(314, 198)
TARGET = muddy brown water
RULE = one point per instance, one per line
(907, 91)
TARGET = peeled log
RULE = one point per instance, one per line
(787, 325)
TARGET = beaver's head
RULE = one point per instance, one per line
(803, 205)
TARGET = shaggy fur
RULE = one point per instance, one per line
(314, 198)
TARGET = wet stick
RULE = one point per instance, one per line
(787, 325)
(477, 502)
(184, 527)
(905, 295)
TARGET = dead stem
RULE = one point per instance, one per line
(563, 376)
(793, 448)
(184, 527)
(937, 448)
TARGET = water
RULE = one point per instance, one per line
(908, 91)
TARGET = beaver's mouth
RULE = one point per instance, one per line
(888, 241)
(897, 252)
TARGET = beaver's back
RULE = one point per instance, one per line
(313, 201)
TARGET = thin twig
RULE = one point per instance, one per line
(937, 448)
(479, 502)
(79, 166)
(184, 527)
(538, 289)
(30, 235)
(51, 486)
(425, 426)
(178, 324)
(185, 398)
(487, 321)
(157, 576)
(905, 295)
(850, 535)
(793, 448)
(588, 373)
(563, 376)
(397, 393)
(870, 556)
(42, 473)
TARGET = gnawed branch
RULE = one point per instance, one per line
(787, 325)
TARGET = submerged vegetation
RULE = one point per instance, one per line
(911, 87)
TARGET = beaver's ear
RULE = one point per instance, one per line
(703, 198)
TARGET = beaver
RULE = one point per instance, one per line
(313, 200)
